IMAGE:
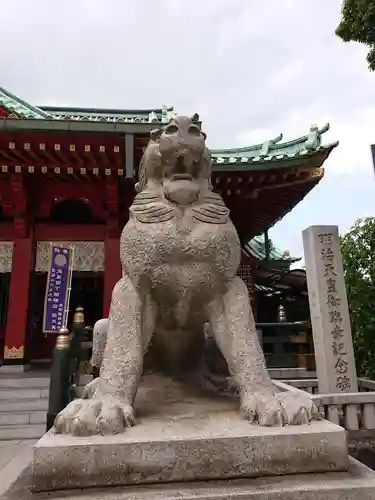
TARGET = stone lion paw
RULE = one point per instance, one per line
(86, 417)
(278, 409)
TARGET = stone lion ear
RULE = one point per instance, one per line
(195, 117)
(155, 134)
(204, 135)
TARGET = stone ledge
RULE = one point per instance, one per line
(191, 448)
(358, 483)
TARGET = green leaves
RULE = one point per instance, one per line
(357, 24)
(358, 252)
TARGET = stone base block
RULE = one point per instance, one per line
(184, 433)
(167, 450)
(187, 448)
(358, 483)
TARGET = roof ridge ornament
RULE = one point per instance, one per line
(313, 138)
(267, 145)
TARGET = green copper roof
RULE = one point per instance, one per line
(268, 152)
(273, 149)
(21, 108)
(161, 115)
(25, 110)
(256, 247)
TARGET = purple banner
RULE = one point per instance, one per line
(57, 289)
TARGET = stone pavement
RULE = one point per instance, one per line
(14, 456)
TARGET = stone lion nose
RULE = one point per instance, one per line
(180, 165)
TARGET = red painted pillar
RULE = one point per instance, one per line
(112, 269)
(18, 305)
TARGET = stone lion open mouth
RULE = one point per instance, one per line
(181, 177)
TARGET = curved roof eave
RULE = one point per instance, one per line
(279, 156)
(20, 107)
(273, 148)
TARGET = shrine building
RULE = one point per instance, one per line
(67, 176)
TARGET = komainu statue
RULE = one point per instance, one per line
(180, 253)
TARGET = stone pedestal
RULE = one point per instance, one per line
(186, 435)
(358, 483)
(329, 311)
(190, 445)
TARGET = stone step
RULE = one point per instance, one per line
(358, 483)
(31, 431)
(23, 418)
(29, 393)
(24, 382)
(25, 404)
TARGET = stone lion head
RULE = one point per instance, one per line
(176, 162)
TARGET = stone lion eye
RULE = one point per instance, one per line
(172, 129)
(193, 130)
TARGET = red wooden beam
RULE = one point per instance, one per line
(69, 232)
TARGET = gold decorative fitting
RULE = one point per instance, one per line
(70, 170)
(95, 171)
(282, 315)
(83, 171)
(250, 179)
(57, 170)
(79, 317)
(42, 146)
(4, 168)
(57, 147)
(17, 169)
(87, 148)
(102, 149)
(63, 339)
(31, 169)
(72, 147)
(229, 180)
(26, 145)
(217, 180)
(318, 172)
(14, 352)
(228, 192)
(85, 368)
(238, 191)
(116, 149)
(120, 171)
(86, 345)
(107, 171)
(12, 145)
(44, 170)
(239, 180)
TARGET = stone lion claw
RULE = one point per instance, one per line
(278, 409)
(86, 417)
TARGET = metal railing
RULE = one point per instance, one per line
(353, 411)
(70, 352)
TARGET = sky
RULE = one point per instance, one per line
(250, 68)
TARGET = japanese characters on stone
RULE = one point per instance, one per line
(336, 328)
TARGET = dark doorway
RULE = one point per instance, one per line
(72, 211)
(87, 292)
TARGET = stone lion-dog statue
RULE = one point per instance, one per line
(180, 253)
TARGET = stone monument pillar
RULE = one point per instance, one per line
(329, 311)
